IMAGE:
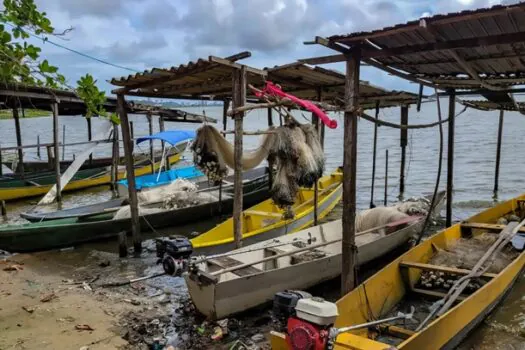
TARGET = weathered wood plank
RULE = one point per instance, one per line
(446, 269)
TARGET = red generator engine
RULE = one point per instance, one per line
(309, 329)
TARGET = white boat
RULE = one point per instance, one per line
(244, 278)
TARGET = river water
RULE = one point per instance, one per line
(474, 163)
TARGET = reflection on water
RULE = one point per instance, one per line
(475, 149)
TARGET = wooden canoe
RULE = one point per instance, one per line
(291, 269)
(396, 285)
(97, 226)
(40, 185)
(265, 220)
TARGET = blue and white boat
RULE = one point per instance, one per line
(178, 139)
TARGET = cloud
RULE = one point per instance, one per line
(142, 34)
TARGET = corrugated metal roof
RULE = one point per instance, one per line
(490, 40)
(305, 81)
(204, 77)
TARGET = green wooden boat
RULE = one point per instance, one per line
(76, 230)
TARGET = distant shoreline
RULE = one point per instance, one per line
(29, 113)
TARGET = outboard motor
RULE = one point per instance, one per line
(174, 253)
(309, 320)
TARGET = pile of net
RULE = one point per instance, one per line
(179, 194)
(377, 217)
(294, 149)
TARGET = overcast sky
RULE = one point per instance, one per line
(141, 34)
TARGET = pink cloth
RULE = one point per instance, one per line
(272, 89)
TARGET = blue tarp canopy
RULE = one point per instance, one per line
(171, 136)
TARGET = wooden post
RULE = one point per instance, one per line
(122, 244)
(20, 166)
(38, 147)
(132, 133)
(315, 122)
(3, 209)
(498, 151)
(404, 143)
(322, 135)
(225, 106)
(115, 160)
(152, 156)
(50, 157)
(419, 97)
(132, 191)
(450, 159)
(374, 156)
(63, 142)
(270, 164)
(385, 201)
(239, 99)
(90, 137)
(349, 249)
(161, 128)
(56, 149)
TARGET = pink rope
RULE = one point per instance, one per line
(273, 90)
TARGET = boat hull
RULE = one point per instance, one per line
(33, 189)
(70, 232)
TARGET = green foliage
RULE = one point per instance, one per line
(94, 99)
(20, 61)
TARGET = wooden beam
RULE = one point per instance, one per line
(398, 73)
(450, 156)
(130, 172)
(56, 151)
(18, 132)
(490, 40)
(228, 63)
(239, 99)
(498, 151)
(323, 59)
(349, 249)
(446, 269)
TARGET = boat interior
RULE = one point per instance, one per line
(426, 274)
(266, 215)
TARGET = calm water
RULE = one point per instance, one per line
(476, 135)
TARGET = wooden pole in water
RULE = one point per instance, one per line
(385, 201)
(349, 249)
(90, 137)
(374, 157)
(56, 152)
(132, 133)
(498, 151)
(152, 156)
(38, 146)
(450, 157)
(239, 99)
(115, 160)
(63, 142)
(128, 155)
(20, 166)
(3, 209)
(404, 143)
(225, 106)
(270, 163)
(161, 128)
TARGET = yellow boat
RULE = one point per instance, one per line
(399, 286)
(265, 220)
(11, 189)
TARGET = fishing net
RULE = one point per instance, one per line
(376, 217)
(125, 212)
(181, 199)
(156, 195)
(213, 154)
(294, 149)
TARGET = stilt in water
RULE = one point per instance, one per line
(3, 209)
(20, 165)
(498, 153)
(63, 142)
(450, 157)
(404, 143)
(38, 147)
(150, 129)
(374, 157)
(115, 159)
(90, 137)
(385, 201)
(56, 152)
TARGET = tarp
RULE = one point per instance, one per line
(170, 136)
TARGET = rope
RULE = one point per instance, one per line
(409, 126)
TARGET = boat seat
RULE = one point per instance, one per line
(263, 213)
(225, 262)
(434, 294)
(446, 269)
(489, 227)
